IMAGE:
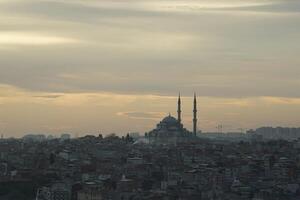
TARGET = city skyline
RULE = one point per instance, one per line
(99, 66)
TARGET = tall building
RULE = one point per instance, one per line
(195, 116)
(179, 109)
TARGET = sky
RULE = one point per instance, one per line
(117, 66)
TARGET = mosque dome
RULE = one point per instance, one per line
(170, 120)
(170, 130)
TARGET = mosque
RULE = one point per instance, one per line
(171, 130)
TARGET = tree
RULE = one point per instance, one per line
(129, 139)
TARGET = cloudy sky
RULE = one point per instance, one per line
(90, 66)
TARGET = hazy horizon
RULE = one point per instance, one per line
(90, 66)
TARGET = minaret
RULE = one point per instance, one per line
(195, 116)
(179, 109)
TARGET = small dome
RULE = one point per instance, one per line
(170, 120)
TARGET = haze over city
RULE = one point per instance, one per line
(74, 66)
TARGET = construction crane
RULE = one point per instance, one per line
(220, 128)
(241, 129)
